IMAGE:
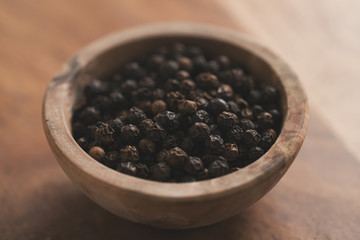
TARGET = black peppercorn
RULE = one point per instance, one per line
(155, 61)
(129, 153)
(233, 107)
(118, 101)
(128, 168)
(173, 98)
(94, 88)
(207, 80)
(147, 82)
(218, 168)
(160, 171)
(200, 116)
(255, 153)
(111, 159)
(251, 137)
(169, 68)
(167, 120)
(247, 124)
(147, 146)
(231, 151)
(224, 62)
(161, 155)
(187, 144)
(129, 133)
(142, 171)
(265, 120)
(155, 132)
(217, 105)
(97, 153)
(145, 124)
(182, 75)
(193, 165)
(202, 103)
(269, 94)
(158, 94)
(103, 134)
(234, 134)
(199, 130)
(83, 143)
(214, 144)
(187, 85)
(246, 113)
(176, 157)
(268, 138)
(133, 70)
(89, 115)
(227, 119)
(128, 86)
(172, 85)
(225, 91)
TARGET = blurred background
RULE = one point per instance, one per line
(320, 39)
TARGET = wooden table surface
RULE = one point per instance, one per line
(317, 199)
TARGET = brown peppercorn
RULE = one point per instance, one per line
(128, 168)
(246, 113)
(227, 119)
(182, 75)
(185, 64)
(160, 171)
(147, 146)
(199, 130)
(176, 157)
(193, 165)
(158, 106)
(129, 153)
(225, 91)
(207, 80)
(97, 153)
(187, 107)
(218, 168)
(173, 98)
(251, 137)
(231, 151)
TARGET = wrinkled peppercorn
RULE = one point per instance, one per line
(147, 146)
(207, 80)
(193, 165)
(128, 168)
(187, 107)
(218, 168)
(167, 120)
(179, 115)
(129, 153)
(129, 133)
(227, 119)
(251, 137)
(199, 130)
(176, 157)
(215, 144)
(160, 171)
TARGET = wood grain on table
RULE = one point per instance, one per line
(317, 199)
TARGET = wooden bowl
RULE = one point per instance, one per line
(172, 205)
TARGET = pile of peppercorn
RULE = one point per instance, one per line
(177, 115)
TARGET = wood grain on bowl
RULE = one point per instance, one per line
(170, 205)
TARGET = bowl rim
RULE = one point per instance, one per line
(277, 159)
